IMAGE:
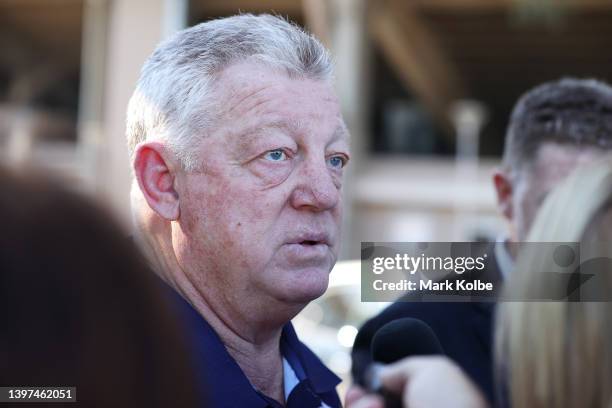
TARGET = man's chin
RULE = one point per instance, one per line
(306, 296)
(305, 287)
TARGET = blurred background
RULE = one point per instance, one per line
(426, 86)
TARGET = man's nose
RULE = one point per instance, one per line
(315, 188)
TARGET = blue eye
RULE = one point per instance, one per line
(337, 162)
(275, 155)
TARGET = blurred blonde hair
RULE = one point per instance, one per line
(559, 354)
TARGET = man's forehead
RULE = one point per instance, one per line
(248, 78)
(255, 99)
(556, 157)
(297, 126)
(292, 127)
(555, 161)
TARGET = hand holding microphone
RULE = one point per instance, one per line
(395, 341)
(419, 375)
(433, 381)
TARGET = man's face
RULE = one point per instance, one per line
(552, 164)
(260, 221)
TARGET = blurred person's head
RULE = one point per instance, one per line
(78, 305)
(557, 353)
(238, 146)
(553, 128)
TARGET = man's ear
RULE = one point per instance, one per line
(154, 172)
(503, 188)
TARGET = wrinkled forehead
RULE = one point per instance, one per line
(254, 97)
(246, 81)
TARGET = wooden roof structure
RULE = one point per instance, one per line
(440, 50)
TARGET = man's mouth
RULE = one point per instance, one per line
(310, 239)
(309, 245)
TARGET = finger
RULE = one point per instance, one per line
(368, 401)
(394, 376)
(353, 394)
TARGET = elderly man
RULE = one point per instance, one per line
(238, 148)
(554, 128)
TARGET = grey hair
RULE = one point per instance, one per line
(173, 98)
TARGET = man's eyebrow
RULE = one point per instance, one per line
(251, 133)
(290, 126)
(295, 127)
(259, 129)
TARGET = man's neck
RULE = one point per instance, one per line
(255, 347)
(261, 363)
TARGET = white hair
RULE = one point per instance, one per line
(172, 100)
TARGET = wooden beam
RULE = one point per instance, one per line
(458, 6)
(19, 4)
(316, 16)
(228, 7)
(416, 56)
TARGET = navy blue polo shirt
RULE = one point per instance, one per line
(223, 383)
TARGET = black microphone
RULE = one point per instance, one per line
(396, 340)
(404, 338)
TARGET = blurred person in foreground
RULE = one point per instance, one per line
(79, 307)
(238, 146)
(551, 353)
(554, 128)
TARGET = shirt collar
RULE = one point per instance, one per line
(290, 379)
(221, 379)
(320, 377)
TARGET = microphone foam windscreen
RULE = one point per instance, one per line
(404, 338)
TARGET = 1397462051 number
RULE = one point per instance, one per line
(39, 393)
